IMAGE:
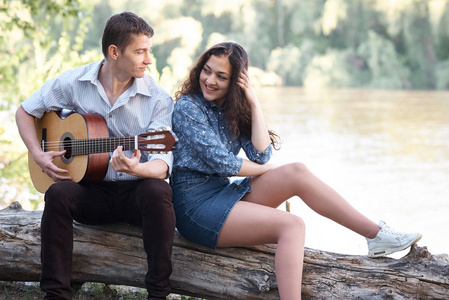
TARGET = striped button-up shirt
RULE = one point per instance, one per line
(144, 106)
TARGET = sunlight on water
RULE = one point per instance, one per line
(386, 152)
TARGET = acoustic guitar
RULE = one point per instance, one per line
(87, 144)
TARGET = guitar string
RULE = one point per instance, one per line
(92, 145)
(95, 142)
(158, 135)
(100, 144)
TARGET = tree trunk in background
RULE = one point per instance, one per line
(280, 22)
(114, 254)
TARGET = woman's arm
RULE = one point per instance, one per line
(259, 134)
(250, 168)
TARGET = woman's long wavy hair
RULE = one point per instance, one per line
(237, 108)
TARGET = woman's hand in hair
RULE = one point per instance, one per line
(245, 83)
(259, 133)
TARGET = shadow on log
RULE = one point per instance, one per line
(114, 254)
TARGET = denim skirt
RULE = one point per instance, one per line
(203, 202)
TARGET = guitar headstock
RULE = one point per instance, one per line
(157, 141)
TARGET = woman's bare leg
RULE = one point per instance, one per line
(255, 220)
(277, 185)
(254, 224)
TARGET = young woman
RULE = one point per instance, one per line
(216, 115)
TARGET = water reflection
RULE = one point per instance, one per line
(387, 152)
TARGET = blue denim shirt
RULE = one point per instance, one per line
(206, 144)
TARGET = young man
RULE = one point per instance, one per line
(134, 189)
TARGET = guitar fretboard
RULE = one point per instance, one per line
(101, 145)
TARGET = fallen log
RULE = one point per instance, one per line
(114, 254)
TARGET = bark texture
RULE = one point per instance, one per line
(114, 254)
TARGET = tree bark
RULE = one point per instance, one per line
(114, 254)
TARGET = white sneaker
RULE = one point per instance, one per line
(389, 241)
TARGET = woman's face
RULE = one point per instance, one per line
(214, 79)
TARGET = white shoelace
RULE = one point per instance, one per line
(387, 229)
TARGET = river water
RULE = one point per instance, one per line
(386, 152)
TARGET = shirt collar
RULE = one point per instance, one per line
(138, 86)
(211, 104)
(92, 74)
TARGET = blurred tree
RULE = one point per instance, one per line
(419, 45)
(385, 67)
(440, 23)
(39, 40)
(102, 11)
(326, 43)
(291, 62)
(408, 27)
(188, 32)
(336, 68)
(27, 41)
(442, 75)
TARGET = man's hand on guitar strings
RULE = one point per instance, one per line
(121, 163)
(45, 161)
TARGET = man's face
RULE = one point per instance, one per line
(133, 61)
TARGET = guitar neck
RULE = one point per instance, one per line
(100, 145)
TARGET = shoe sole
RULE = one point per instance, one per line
(379, 252)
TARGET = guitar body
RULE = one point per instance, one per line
(55, 130)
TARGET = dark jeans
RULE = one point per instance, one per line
(147, 203)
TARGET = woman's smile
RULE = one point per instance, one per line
(214, 79)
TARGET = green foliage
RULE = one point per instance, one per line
(39, 40)
(386, 70)
(276, 33)
(318, 43)
(291, 62)
(15, 183)
(36, 41)
(442, 75)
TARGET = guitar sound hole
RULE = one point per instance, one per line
(68, 148)
(66, 143)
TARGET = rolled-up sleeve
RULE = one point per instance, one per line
(199, 137)
(253, 154)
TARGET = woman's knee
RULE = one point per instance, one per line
(292, 173)
(293, 169)
(293, 226)
(298, 168)
(299, 224)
